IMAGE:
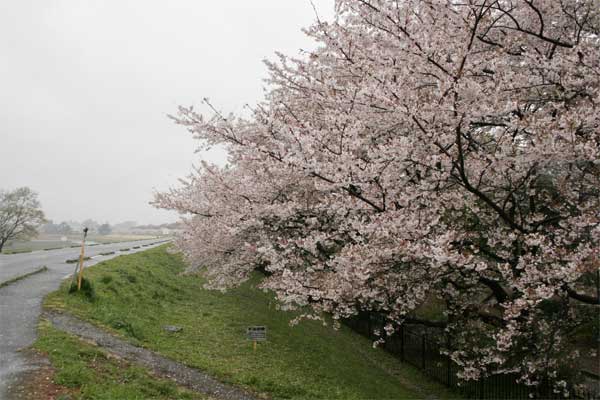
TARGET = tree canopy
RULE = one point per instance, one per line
(20, 215)
(425, 151)
(105, 229)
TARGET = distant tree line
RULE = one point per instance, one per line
(174, 225)
(21, 216)
(67, 228)
(71, 227)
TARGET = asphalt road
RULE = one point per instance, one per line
(20, 302)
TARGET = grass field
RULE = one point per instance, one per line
(118, 238)
(137, 295)
(28, 246)
(86, 372)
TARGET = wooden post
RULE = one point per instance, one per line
(422, 351)
(254, 345)
(448, 362)
(402, 343)
(81, 256)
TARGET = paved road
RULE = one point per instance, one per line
(20, 302)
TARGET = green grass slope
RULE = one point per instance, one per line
(137, 295)
(88, 373)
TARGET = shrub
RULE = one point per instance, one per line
(87, 289)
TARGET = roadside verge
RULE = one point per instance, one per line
(144, 300)
(160, 366)
(21, 277)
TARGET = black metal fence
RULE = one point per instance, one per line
(417, 348)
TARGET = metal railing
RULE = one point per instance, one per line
(416, 348)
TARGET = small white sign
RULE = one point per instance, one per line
(256, 333)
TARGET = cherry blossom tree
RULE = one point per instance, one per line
(426, 151)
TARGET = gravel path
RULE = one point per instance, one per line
(163, 367)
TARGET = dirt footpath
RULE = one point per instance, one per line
(163, 367)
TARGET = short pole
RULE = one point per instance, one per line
(402, 342)
(448, 362)
(81, 255)
(423, 351)
(254, 345)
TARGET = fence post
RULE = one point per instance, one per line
(402, 343)
(423, 351)
(448, 362)
(448, 371)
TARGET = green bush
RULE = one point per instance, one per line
(87, 289)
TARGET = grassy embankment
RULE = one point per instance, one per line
(86, 372)
(137, 295)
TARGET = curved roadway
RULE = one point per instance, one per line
(20, 302)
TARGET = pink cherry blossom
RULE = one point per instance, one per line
(426, 150)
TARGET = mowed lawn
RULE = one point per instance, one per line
(84, 371)
(137, 295)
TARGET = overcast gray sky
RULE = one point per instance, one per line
(85, 87)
